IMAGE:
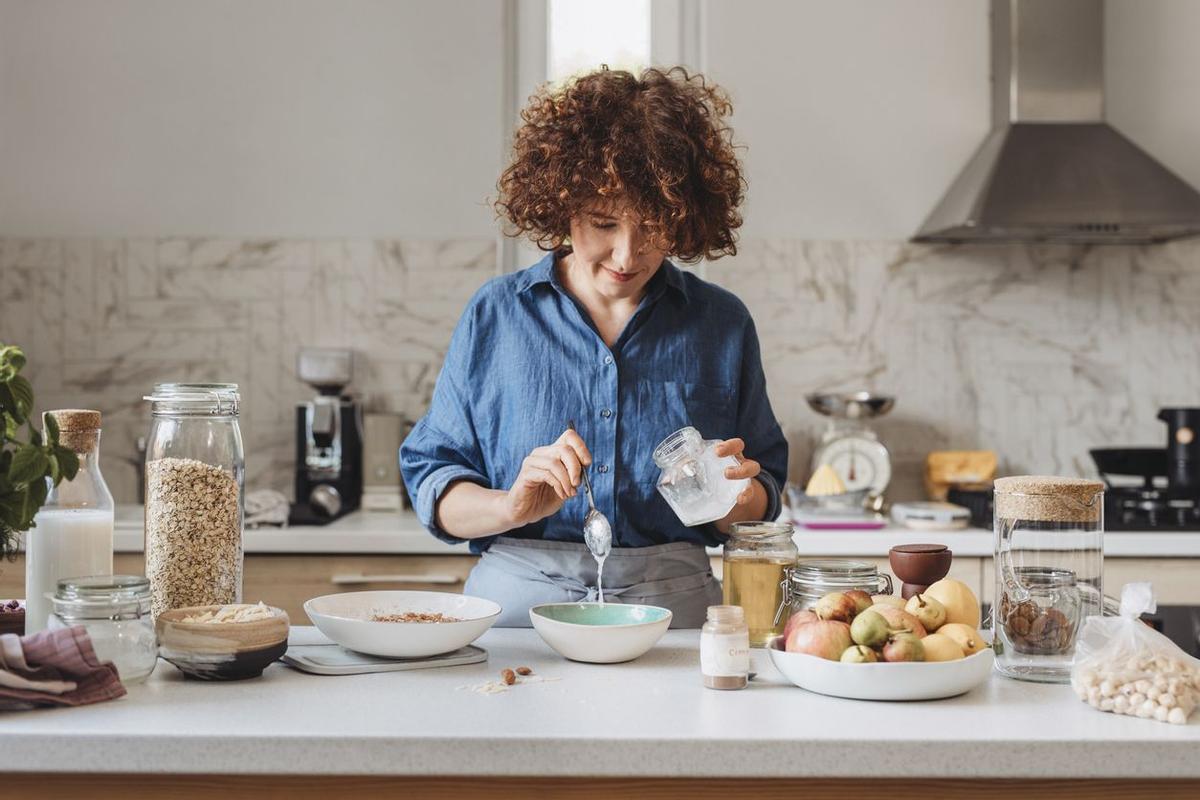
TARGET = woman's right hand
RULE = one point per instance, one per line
(549, 476)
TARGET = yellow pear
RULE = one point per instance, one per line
(940, 647)
(961, 604)
(888, 600)
(965, 636)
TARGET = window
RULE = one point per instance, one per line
(583, 35)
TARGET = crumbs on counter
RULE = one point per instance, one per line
(508, 677)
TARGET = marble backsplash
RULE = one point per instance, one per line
(1037, 352)
(102, 321)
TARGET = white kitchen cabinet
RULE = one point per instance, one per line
(1176, 580)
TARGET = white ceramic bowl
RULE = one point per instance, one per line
(880, 681)
(346, 619)
(600, 633)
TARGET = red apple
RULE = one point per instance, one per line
(836, 606)
(796, 620)
(861, 599)
(823, 638)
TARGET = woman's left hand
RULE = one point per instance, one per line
(746, 468)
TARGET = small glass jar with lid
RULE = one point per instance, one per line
(812, 579)
(692, 477)
(115, 611)
(756, 558)
(1049, 557)
(195, 471)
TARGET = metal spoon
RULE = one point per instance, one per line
(597, 532)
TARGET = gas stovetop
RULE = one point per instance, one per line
(1141, 509)
(1152, 506)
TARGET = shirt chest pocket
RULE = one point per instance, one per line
(664, 407)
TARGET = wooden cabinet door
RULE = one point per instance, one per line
(286, 581)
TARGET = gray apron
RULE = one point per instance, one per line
(521, 573)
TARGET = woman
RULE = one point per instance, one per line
(611, 175)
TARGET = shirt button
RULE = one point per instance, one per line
(608, 359)
(606, 413)
(603, 468)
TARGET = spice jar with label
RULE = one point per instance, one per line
(194, 476)
(757, 556)
(725, 648)
(1049, 572)
(811, 579)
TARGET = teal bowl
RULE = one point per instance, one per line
(600, 633)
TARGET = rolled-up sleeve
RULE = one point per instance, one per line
(443, 447)
(757, 425)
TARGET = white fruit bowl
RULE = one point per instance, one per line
(346, 619)
(881, 681)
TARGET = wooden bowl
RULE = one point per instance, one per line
(921, 564)
(221, 651)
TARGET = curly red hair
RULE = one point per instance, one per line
(657, 143)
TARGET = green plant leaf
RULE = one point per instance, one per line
(10, 511)
(37, 494)
(35, 438)
(54, 471)
(22, 391)
(11, 355)
(68, 462)
(51, 428)
(29, 463)
(8, 404)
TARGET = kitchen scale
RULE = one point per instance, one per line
(849, 445)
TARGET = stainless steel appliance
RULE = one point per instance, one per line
(329, 437)
(1154, 488)
(1052, 168)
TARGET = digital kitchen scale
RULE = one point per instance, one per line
(849, 445)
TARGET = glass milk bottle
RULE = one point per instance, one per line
(73, 532)
(692, 478)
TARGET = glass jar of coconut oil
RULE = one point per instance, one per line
(757, 556)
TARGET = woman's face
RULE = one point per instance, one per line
(613, 251)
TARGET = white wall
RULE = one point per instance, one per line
(857, 113)
(369, 119)
(1152, 79)
(272, 117)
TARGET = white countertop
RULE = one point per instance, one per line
(392, 533)
(645, 718)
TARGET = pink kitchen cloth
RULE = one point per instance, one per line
(56, 667)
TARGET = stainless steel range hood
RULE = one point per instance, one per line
(1052, 169)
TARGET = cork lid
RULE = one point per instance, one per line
(78, 428)
(1049, 498)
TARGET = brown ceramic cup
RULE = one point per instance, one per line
(919, 565)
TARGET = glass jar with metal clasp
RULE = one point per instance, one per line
(809, 580)
(756, 558)
(115, 611)
(195, 471)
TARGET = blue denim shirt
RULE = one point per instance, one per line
(526, 357)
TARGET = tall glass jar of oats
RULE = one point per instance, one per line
(195, 470)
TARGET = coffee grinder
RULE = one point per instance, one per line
(329, 440)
